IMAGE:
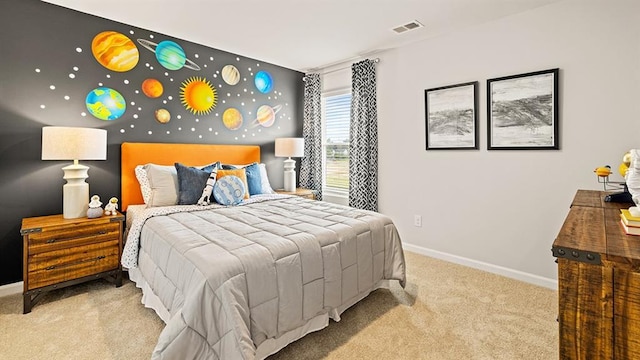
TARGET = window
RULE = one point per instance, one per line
(336, 116)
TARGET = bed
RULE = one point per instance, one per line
(242, 282)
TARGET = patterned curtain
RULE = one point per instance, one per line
(311, 163)
(363, 137)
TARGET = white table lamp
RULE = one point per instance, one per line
(72, 143)
(290, 147)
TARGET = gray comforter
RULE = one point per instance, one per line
(241, 282)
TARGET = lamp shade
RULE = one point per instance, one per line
(289, 147)
(73, 143)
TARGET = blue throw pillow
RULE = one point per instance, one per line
(254, 179)
(229, 190)
(191, 181)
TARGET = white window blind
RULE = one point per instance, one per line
(336, 118)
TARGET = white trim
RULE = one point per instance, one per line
(11, 289)
(335, 92)
(495, 269)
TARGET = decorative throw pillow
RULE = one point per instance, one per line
(231, 167)
(229, 190)
(257, 179)
(254, 178)
(191, 181)
(163, 180)
(241, 173)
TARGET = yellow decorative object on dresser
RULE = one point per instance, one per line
(62, 252)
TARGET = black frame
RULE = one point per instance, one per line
(533, 111)
(433, 145)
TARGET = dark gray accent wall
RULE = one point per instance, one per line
(47, 69)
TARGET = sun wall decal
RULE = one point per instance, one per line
(198, 95)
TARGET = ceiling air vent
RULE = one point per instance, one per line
(408, 26)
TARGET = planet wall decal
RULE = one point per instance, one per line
(163, 116)
(266, 116)
(198, 95)
(169, 54)
(115, 51)
(152, 88)
(230, 74)
(232, 119)
(105, 103)
(263, 81)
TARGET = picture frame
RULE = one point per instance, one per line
(451, 117)
(522, 111)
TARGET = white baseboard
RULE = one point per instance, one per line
(16, 288)
(11, 289)
(496, 269)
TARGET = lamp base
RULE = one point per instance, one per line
(75, 193)
(289, 175)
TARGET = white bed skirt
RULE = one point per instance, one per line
(269, 346)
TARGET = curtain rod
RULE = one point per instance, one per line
(376, 60)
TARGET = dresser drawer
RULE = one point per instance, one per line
(61, 265)
(52, 239)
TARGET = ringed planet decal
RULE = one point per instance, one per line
(198, 95)
(169, 54)
(266, 116)
(115, 51)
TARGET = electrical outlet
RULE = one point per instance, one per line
(417, 220)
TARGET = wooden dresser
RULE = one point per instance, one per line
(598, 282)
(61, 252)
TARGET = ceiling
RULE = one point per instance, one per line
(304, 35)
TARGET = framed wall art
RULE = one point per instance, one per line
(452, 117)
(522, 111)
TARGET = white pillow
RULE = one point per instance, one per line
(264, 180)
(145, 187)
(163, 181)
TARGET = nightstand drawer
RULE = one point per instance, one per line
(61, 265)
(64, 238)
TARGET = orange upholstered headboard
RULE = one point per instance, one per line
(134, 154)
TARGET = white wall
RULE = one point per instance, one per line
(501, 210)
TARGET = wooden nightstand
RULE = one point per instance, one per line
(304, 193)
(62, 252)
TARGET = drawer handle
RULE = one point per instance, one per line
(50, 267)
(101, 232)
(101, 257)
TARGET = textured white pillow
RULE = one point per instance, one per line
(266, 186)
(163, 180)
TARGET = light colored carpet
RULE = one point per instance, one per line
(447, 311)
